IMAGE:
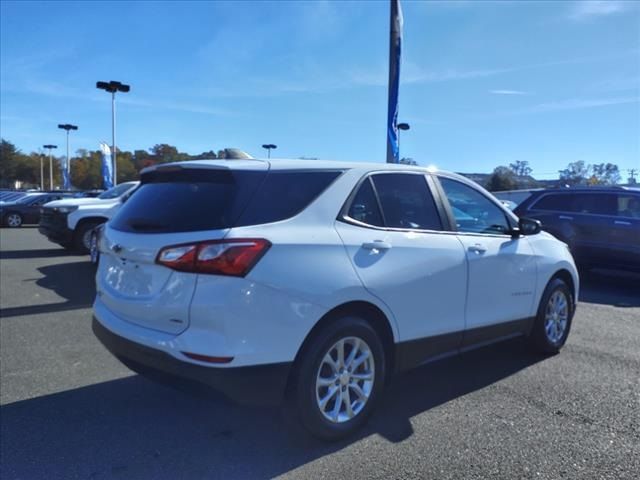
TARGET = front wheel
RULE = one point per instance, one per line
(339, 379)
(82, 237)
(13, 220)
(94, 253)
(553, 320)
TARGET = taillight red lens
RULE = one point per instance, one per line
(235, 257)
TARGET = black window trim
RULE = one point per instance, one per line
(508, 215)
(344, 217)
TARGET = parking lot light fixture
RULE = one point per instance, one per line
(112, 87)
(68, 127)
(401, 126)
(269, 147)
(50, 147)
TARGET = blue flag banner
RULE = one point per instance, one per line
(66, 179)
(107, 166)
(395, 43)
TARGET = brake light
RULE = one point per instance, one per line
(235, 257)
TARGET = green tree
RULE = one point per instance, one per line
(126, 169)
(8, 161)
(502, 178)
(576, 173)
(521, 168)
(605, 174)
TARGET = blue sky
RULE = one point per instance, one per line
(482, 83)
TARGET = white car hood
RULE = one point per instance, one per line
(76, 202)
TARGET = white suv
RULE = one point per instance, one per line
(71, 222)
(315, 281)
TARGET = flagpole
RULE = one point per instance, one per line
(395, 41)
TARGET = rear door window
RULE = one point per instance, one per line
(406, 201)
(593, 203)
(364, 206)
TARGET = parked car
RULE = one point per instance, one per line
(70, 222)
(26, 209)
(7, 196)
(315, 281)
(600, 225)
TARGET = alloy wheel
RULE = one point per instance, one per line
(345, 379)
(14, 220)
(556, 316)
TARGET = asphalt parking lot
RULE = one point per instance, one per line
(70, 410)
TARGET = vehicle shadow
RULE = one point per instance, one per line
(606, 287)
(43, 253)
(135, 428)
(74, 282)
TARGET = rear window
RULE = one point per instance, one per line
(195, 200)
(187, 201)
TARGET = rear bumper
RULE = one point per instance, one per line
(53, 225)
(254, 385)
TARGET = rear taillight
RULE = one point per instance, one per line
(235, 257)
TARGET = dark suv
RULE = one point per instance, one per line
(600, 225)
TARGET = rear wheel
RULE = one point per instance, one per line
(13, 220)
(339, 378)
(553, 320)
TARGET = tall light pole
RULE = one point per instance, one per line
(66, 177)
(112, 87)
(50, 147)
(269, 147)
(41, 171)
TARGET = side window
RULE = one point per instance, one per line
(557, 203)
(628, 206)
(473, 211)
(364, 207)
(595, 203)
(406, 201)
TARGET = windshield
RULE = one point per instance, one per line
(26, 200)
(115, 192)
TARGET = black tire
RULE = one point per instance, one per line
(303, 397)
(539, 339)
(94, 253)
(79, 236)
(13, 220)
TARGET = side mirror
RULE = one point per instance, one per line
(529, 226)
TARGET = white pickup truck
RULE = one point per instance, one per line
(71, 222)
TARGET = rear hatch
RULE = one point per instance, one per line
(176, 204)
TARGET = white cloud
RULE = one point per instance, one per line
(508, 92)
(579, 103)
(589, 9)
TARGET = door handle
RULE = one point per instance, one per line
(477, 248)
(376, 246)
(565, 217)
(621, 222)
